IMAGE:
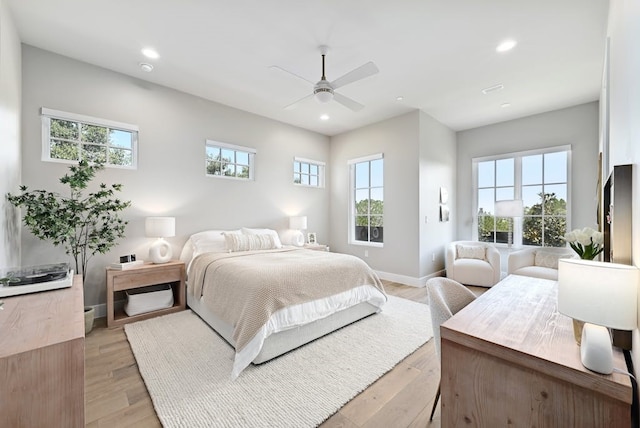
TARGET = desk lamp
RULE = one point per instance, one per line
(160, 227)
(602, 295)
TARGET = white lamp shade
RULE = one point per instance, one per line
(298, 222)
(509, 208)
(160, 227)
(599, 293)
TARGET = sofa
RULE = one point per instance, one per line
(473, 263)
(538, 262)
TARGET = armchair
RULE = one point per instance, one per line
(538, 262)
(473, 263)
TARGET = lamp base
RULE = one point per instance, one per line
(596, 351)
(160, 252)
(297, 238)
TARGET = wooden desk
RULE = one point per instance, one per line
(42, 359)
(510, 359)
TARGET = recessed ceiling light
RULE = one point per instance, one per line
(507, 45)
(400, 98)
(505, 105)
(146, 67)
(324, 117)
(150, 53)
(494, 88)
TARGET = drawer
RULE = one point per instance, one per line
(142, 279)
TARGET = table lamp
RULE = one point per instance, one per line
(602, 295)
(160, 227)
(510, 208)
(298, 223)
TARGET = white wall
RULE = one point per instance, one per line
(10, 98)
(624, 113)
(437, 169)
(577, 126)
(397, 139)
(416, 150)
(170, 179)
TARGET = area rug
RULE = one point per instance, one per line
(186, 367)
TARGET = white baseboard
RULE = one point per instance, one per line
(408, 280)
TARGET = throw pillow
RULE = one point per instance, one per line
(276, 238)
(241, 242)
(471, 252)
(548, 259)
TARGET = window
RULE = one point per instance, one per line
(70, 137)
(367, 200)
(541, 179)
(308, 172)
(229, 161)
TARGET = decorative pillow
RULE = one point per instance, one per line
(471, 252)
(276, 238)
(210, 241)
(548, 259)
(244, 242)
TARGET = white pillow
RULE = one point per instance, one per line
(276, 238)
(471, 251)
(210, 241)
(187, 252)
(246, 242)
(548, 259)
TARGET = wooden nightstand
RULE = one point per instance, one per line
(316, 247)
(172, 272)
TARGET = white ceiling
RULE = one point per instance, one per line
(437, 54)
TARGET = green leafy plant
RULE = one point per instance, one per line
(83, 225)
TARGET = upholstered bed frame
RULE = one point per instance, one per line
(287, 340)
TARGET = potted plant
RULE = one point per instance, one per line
(587, 242)
(83, 225)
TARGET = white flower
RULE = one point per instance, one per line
(570, 236)
(598, 238)
(583, 237)
(587, 242)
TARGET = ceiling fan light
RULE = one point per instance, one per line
(148, 68)
(324, 96)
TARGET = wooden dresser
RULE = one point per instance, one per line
(510, 359)
(42, 359)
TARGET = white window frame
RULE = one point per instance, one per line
(320, 175)
(517, 156)
(47, 114)
(220, 145)
(352, 199)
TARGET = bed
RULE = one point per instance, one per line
(266, 299)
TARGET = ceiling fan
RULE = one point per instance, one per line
(324, 91)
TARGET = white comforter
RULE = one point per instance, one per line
(264, 292)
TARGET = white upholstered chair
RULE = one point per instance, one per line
(446, 298)
(538, 262)
(473, 263)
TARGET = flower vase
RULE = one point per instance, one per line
(577, 330)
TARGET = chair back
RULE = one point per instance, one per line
(446, 298)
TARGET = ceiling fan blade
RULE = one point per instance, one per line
(295, 103)
(365, 70)
(347, 102)
(275, 67)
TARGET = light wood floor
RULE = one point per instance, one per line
(115, 394)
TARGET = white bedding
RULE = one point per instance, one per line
(218, 278)
(304, 313)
